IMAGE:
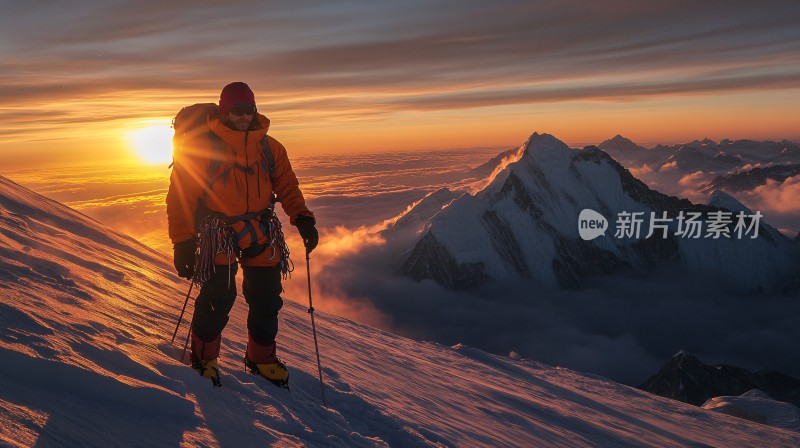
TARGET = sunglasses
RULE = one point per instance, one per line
(243, 109)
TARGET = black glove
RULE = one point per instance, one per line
(184, 257)
(305, 225)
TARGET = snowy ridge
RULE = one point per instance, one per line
(524, 224)
(424, 210)
(83, 366)
(757, 406)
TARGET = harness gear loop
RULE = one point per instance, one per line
(217, 236)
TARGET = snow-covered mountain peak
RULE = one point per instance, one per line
(544, 138)
(546, 151)
(525, 223)
(683, 359)
(620, 143)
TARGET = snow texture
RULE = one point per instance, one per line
(85, 320)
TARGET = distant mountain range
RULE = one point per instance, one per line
(750, 179)
(525, 223)
(731, 166)
(704, 155)
(686, 378)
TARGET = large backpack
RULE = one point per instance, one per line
(190, 123)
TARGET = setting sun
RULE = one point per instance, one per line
(153, 144)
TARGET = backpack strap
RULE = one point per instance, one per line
(217, 150)
(270, 168)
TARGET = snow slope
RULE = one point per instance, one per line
(86, 313)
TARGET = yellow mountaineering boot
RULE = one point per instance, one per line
(275, 372)
(204, 357)
(208, 369)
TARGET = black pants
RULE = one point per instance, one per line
(261, 288)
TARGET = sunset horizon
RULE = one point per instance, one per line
(361, 79)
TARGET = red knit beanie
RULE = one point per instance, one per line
(233, 94)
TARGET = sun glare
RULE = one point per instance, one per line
(152, 143)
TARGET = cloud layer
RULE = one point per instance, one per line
(624, 327)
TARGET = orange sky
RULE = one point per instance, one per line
(363, 77)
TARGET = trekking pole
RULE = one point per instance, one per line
(180, 319)
(314, 328)
(186, 344)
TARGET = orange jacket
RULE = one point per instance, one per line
(238, 186)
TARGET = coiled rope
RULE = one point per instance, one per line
(216, 237)
(278, 243)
